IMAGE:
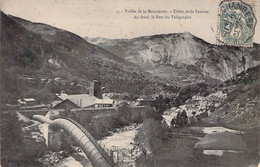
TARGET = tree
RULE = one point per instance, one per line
(122, 118)
(152, 136)
(10, 133)
(173, 122)
(17, 150)
(184, 117)
(181, 119)
(123, 110)
(244, 62)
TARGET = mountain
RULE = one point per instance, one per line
(38, 60)
(240, 109)
(163, 55)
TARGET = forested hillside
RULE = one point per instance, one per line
(39, 60)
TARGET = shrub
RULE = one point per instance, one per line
(16, 149)
(152, 135)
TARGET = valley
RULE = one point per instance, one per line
(161, 100)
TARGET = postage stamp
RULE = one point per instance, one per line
(236, 23)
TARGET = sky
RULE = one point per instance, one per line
(99, 18)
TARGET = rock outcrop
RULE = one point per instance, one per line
(183, 50)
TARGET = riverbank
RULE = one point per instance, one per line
(202, 146)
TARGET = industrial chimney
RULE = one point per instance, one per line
(95, 89)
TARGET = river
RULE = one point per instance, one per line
(122, 142)
(219, 147)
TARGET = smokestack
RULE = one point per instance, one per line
(95, 89)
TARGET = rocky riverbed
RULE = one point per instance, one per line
(121, 142)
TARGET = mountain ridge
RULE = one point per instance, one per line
(39, 60)
(48, 32)
(182, 49)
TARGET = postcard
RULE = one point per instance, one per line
(130, 83)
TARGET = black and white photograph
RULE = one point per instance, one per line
(130, 83)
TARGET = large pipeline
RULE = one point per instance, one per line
(85, 141)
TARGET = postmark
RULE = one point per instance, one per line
(236, 23)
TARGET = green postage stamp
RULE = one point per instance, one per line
(236, 23)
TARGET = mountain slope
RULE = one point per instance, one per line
(240, 110)
(39, 60)
(182, 50)
(69, 41)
